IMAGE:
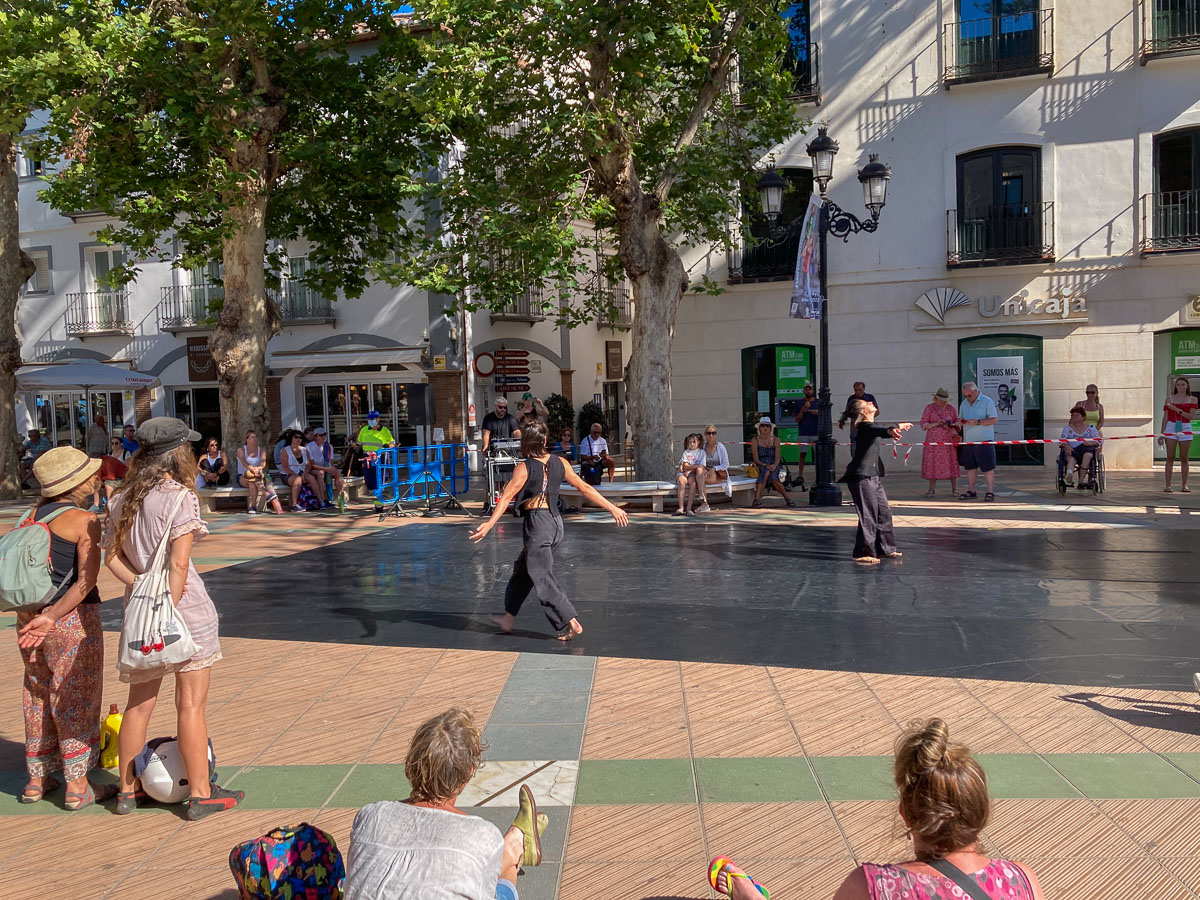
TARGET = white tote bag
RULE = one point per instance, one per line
(153, 634)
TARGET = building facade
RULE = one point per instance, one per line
(1042, 223)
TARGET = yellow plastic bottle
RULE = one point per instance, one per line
(110, 727)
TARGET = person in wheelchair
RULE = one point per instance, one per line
(1082, 443)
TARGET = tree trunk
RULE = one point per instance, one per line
(659, 280)
(15, 269)
(247, 321)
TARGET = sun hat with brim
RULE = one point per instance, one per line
(63, 468)
(943, 393)
(766, 420)
(162, 433)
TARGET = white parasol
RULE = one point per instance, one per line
(84, 375)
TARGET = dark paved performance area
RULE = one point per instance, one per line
(1111, 606)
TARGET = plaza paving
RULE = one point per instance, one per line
(738, 691)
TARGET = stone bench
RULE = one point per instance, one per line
(657, 491)
(210, 496)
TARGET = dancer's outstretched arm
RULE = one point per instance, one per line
(594, 495)
(520, 473)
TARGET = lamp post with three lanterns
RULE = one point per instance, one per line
(874, 177)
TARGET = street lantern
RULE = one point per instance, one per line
(822, 149)
(874, 177)
(770, 193)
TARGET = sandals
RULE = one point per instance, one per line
(93, 795)
(929, 494)
(679, 512)
(757, 504)
(32, 793)
(989, 497)
(790, 503)
(724, 864)
(968, 495)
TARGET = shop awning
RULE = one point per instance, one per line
(352, 356)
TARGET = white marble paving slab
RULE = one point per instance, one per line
(554, 785)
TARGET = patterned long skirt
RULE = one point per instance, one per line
(62, 696)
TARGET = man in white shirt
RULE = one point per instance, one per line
(320, 458)
(593, 456)
(978, 414)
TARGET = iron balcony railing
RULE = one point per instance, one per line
(1170, 28)
(189, 306)
(1171, 221)
(1004, 233)
(804, 64)
(617, 298)
(525, 308)
(764, 259)
(300, 304)
(999, 47)
(98, 312)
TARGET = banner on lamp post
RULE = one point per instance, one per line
(807, 302)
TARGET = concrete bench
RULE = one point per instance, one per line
(658, 491)
(210, 496)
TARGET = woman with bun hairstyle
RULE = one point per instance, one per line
(945, 806)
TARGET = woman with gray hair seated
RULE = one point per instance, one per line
(426, 847)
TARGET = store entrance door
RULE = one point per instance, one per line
(773, 379)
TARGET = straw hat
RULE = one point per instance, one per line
(943, 393)
(63, 468)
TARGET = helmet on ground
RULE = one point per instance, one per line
(161, 769)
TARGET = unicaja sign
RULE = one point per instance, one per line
(1019, 309)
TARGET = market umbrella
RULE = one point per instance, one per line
(85, 375)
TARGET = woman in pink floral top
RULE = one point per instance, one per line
(940, 462)
(945, 806)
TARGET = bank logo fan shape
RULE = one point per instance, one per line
(941, 300)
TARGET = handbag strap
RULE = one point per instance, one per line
(159, 559)
(969, 885)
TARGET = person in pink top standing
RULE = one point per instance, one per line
(945, 806)
(939, 458)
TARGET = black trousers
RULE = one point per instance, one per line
(541, 531)
(875, 536)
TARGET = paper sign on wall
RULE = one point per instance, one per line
(1003, 379)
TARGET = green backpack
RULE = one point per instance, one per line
(25, 567)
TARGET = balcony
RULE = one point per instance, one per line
(805, 68)
(1170, 28)
(999, 47)
(1170, 221)
(98, 314)
(301, 305)
(763, 259)
(189, 307)
(1005, 234)
(617, 298)
(527, 308)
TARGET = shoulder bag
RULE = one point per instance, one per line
(969, 885)
(153, 634)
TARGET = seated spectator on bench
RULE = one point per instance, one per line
(35, 446)
(252, 471)
(214, 466)
(321, 465)
(593, 456)
(690, 480)
(293, 466)
(425, 846)
(944, 804)
(767, 453)
(566, 446)
(716, 465)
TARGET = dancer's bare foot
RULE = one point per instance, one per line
(504, 622)
(572, 630)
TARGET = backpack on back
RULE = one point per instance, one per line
(25, 568)
(294, 861)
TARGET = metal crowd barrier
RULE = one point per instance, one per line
(421, 474)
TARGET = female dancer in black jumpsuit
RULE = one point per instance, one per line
(535, 484)
(875, 538)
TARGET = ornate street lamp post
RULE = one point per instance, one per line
(834, 220)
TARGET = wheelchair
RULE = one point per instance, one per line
(1095, 471)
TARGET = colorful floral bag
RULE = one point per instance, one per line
(294, 861)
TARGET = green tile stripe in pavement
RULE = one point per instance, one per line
(1096, 776)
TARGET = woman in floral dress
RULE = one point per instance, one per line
(940, 462)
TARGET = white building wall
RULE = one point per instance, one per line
(1094, 119)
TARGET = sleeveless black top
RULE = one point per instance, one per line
(63, 558)
(542, 478)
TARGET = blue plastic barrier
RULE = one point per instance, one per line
(420, 474)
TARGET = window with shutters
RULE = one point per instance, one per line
(39, 284)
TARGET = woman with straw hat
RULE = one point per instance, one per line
(62, 644)
(147, 507)
(939, 456)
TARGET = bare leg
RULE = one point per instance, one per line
(971, 475)
(1170, 447)
(1185, 451)
(681, 486)
(134, 723)
(295, 481)
(990, 478)
(191, 697)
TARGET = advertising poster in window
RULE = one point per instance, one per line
(1003, 379)
(1185, 353)
(806, 285)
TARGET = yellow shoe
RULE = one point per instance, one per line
(531, 827)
